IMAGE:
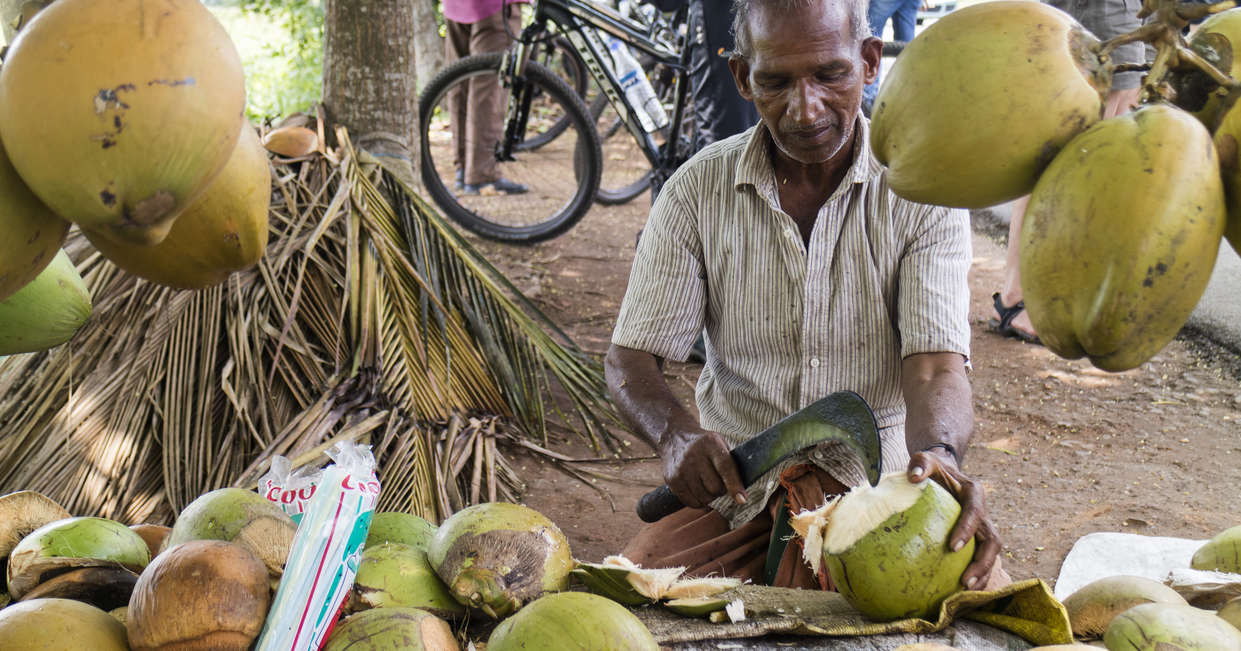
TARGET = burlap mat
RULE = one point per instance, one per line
(1026, 609)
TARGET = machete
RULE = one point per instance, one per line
(842, 416)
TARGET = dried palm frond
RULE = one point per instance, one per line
(368, 319)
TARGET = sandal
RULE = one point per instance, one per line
(1004, 325)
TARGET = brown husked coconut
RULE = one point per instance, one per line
(204, 594)
(59, 625)
(153, 534)
(105, 588)
(291, 141)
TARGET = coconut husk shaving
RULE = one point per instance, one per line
(369, 319)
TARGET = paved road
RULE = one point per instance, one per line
(1218, 314)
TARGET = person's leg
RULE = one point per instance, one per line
(1010, 293)
(456, 46)
(877, 16)
(719, 110)
(905, 20)
(486, 110)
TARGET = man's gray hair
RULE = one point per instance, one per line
(743, 45)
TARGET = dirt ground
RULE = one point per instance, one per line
(1062, 448)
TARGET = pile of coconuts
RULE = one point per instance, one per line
(1126, 214)
(207, 582)
(1135, 613)
(127, 123)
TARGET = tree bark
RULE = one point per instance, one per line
(368, 75)
(428, 44)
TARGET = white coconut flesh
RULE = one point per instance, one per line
(837, 525)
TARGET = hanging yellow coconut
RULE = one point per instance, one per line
(223, 231)
(47, 312)
(979, 103)
(118, 114)
(1120, 237)
(32, 233)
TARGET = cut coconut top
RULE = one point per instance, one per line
(865, 507)
(696, 588)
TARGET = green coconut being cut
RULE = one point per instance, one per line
(886, 547)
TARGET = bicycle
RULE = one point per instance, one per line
(562, 171)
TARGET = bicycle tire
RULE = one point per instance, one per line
(557, 199)
(575, 76)
(613, 191)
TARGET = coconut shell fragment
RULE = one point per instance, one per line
(1092, 607)
(105, 588)
(201, 595)
(20, 514)
(496, 556)
(291, 141)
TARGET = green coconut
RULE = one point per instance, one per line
(240, 516)
(59, 625)
(1170, 627)
(118, 114)
(938, 126)
(1120, 237)
(886, 548)
(1221, 553)
(392, 629)
(397, 575)
(46, 312)
(1231, 612)
(496, 556)
(1092, 607)
(32, 232)
(398, 527)
(74, 542)
(569, 621)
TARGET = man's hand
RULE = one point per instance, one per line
(698, 467)
(939, 465)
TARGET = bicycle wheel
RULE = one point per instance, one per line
(626, 171)
(558, 56)
(561, 177)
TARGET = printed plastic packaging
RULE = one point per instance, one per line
(325, 552)
(290, 489)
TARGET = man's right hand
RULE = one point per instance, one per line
(698, 467)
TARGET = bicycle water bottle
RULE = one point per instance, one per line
(637, 87)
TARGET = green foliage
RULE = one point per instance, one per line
(281, 46)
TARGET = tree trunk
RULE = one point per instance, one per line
(368, 75)
(428, 45)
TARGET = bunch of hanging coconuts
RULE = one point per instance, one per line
(125, 120)
(1126, 215)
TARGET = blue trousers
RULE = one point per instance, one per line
(904, 15)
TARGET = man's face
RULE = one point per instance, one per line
(805, 77)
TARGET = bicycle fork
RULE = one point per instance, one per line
(513, 77)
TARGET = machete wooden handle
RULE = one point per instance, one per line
(656, 504)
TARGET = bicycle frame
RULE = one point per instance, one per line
(581, 21)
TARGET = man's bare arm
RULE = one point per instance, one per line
(697, 466)
(939, 421)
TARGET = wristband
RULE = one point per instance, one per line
(946, 446)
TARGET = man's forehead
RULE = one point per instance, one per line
(800, 23)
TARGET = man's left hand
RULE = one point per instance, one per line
(941, 466)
